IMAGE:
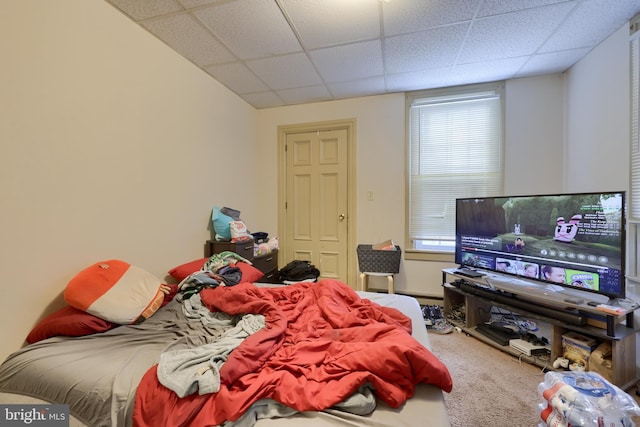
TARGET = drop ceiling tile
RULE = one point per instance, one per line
(509, 35)
(403, 16)
(186, 35)
(285, 72)
(349, 62)
(237, 77)
(189, 4)
(497, 7)
(250, 28)
(298, 45)
(323, 23)
(361, 87)
(488, 71)
(144, 9)
(299, 95)
(554, 62)
(590, 23)
(421, 51)
(418, 80)
(263, 99)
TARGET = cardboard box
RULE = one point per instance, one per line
(577, 348)
(384, 246)
(595, 319)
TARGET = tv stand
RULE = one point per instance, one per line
(477, 296)
(616, 302)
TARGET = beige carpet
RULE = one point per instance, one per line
(490, 387)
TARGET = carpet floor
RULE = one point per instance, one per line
(490, 387)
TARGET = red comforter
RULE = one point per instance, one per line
(321, 342)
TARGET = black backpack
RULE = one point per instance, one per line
(298, 271)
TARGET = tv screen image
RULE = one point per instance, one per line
(574, 240)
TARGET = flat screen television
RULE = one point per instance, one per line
(573, 240)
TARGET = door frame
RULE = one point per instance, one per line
(350, 126)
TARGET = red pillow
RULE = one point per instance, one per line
(249, 272)
(181, 272)
(69, 322)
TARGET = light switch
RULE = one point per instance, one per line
(370, 196)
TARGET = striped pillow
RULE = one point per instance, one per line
(115, 291)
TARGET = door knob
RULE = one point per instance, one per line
(341, 217)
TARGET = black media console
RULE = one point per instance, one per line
(561, 311)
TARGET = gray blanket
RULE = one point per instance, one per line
(110, 365)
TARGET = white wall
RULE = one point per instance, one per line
(112, 146)
(597, 118)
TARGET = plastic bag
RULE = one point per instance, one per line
(575, 398)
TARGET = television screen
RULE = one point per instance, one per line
(574, 240)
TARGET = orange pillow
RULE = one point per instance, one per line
(115, 291)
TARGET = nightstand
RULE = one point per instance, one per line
(267, 263)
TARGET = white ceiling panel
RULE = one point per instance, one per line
(282, 52)
(189, 4)
(356, 88)
(587, 25)
(263, 99)
(320, 23)
(286, 72)
(508, 35)
(301, 95)
(498, 7)
(144, 9)
(421, 51)
(407, 16)
(487, 71)
(417, 80)
(250, 28)
(349, 62)
(554, 62)
(186, 35)
(237, 77)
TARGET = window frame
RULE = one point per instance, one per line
(445, 254)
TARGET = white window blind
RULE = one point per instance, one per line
(455, 150)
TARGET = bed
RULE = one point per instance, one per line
(244, 355)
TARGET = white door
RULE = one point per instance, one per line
(316, 204)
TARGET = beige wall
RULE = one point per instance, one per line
(112, 146)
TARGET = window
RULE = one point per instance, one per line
(455, 150)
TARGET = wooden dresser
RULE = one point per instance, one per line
(267, 263)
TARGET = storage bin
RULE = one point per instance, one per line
(378, 261)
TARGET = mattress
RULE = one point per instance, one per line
(427, 402)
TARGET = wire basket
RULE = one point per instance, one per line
(378, 261)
